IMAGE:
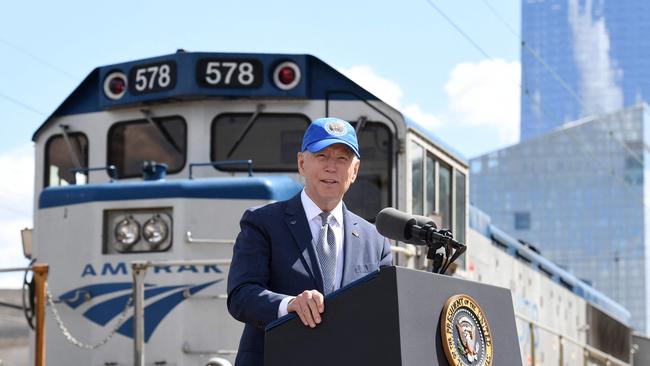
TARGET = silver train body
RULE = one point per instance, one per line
(96, 212)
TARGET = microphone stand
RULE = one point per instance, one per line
(436, 239)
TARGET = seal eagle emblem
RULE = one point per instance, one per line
(465, 332)
(335, 128)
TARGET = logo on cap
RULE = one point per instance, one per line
(335, 128)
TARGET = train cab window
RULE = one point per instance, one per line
(62, 156)
(163, 140)
(271, 141)
(371, 191)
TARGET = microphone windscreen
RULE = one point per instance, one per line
(394, 224)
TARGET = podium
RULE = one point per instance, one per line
(393, 317)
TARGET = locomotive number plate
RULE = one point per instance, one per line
(229, 73)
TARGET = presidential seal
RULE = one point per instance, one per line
(465, 333)
(335, 128)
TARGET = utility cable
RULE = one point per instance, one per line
(563, 130)
(556, 76)
(38, 59)
(526, 92)
(21, 104)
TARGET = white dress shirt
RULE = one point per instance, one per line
(312, 211)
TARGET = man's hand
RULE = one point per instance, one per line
(308, 305)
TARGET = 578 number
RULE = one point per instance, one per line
(152, 78)
(228, 73)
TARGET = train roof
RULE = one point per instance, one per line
(428, 133)
(317, 80)
(481, 222)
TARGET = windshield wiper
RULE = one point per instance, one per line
(361, 122)
(258, 110)
(160, 128)
(66, 137)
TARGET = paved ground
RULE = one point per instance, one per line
(14, 331)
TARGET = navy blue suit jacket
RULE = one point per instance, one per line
(274, 257)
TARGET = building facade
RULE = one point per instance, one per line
(579, 195)
(581, 58)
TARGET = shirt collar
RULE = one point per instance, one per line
(312, 210)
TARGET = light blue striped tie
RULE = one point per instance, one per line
(326, 249)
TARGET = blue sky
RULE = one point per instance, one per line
(403, 51)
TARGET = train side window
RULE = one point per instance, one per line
(62, 156)
(130, 143)
(417, 173)
(461, 206)
(272, 141)
(444, 193)
(423, 181)
(430, 174)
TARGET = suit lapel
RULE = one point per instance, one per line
(351, 246)
(296, 221)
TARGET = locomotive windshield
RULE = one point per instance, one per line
(163, 140)
(273, 140)
(270, 140)
(63, 154)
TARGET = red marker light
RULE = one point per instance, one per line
(286, 75)
(115, 85)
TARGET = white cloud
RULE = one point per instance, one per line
(483, 99)
(486, 94)
(390, 92)
(16, 198)
(598, 75)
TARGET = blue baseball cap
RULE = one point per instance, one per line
(324, 132)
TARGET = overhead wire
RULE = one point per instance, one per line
(38, 59)
(459, 29)
(554, 74)
(526, 92)
(573, 260)
(580, 100)
(21, 104)
(592, 157)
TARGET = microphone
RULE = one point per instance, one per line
(420, 230)
(398, 225)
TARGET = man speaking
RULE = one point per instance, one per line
(290, 254)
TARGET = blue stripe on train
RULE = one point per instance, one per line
(273, 188)
(154, 312)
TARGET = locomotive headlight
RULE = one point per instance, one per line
(127, 233)
(138, 230)
(155, 230)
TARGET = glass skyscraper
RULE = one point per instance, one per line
(581, 58)
(579, 194)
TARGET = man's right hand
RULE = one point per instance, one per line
(308, 305)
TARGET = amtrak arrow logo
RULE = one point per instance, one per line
(154, 312)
